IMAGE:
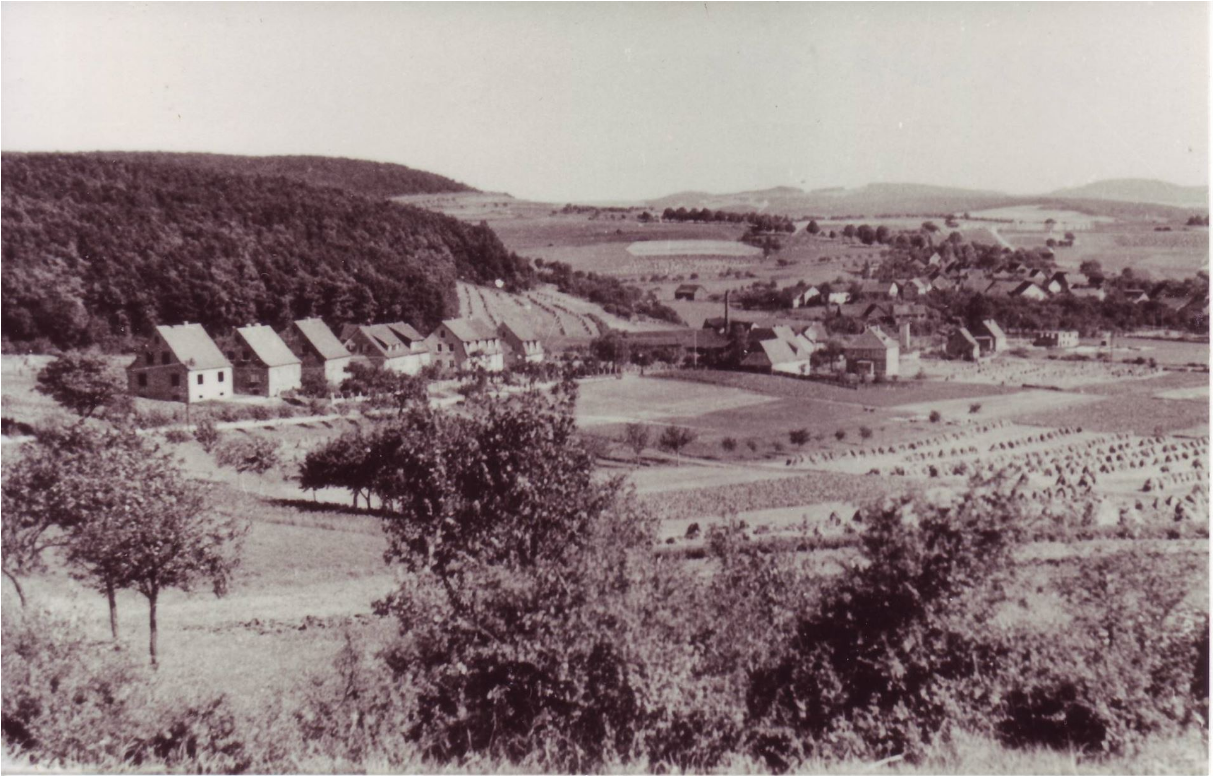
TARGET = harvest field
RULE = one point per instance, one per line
(694, 248)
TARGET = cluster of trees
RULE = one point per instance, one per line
(100, 248)
(623, 300)
(1196, 220)
(759, 223)
(122, 514)
(1089, 316)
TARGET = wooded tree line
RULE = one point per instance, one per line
(771, 223)
(620, 299)
(98, 249)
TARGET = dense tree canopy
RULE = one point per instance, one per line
(101, 248)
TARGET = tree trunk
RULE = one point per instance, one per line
(152, 627)
(114, 612)
(16, 586)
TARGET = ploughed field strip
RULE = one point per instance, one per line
(1046, 373)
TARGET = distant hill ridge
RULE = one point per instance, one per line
(1139, 191)
(364, 177)
(1128, 198)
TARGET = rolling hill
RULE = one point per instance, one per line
(1126, 199)
(1139, 191)
(99, 248)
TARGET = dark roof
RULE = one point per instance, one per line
(772, 352)
(383, 339)
(470, 329)
(519, 329)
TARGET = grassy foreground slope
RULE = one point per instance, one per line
(98, 248)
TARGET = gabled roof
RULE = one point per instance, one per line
(405, 333)
(774, 351)
(873, 285)
(322, 338)
(520, 330)
(470, 329)
(816, 332)
(192, 346)
(967, 336)
(381, 337)
(989, 328)
(267, 346)
(873, 338)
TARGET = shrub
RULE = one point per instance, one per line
(206, 434)
(177, 436)
(874, 667)
(840, 434)
(752, 445)
(934, 416)
(799, 437)
(67, 699)
(975, 408)
(866, 432)
(728, 444)
(675, 438)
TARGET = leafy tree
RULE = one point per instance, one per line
(382, 387)
(177, 543)
(866, 234)
(1092, 269)
(611, 347)
(39, 504)
(343, 462)
(882, 234)
(637, 437)
(675, 438)
(81, 382)
(799, 437)
(930, 227)
(934, 416)
(812, 227)
(849, 231)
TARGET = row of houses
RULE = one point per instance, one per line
(183, 363)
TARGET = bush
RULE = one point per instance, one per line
(206, 434)
(70, 700)
(879, 666)
(840, 434)
(728, 444)
(177, 436)
(866, 432)
(975, 408)
(675, 438)
(799, 437)
(934, 416)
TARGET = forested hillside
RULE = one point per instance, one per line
(363, 177)
(97, 248)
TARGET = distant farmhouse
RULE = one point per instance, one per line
(1062, 339)
(521, 344)
(874, 290)
(690, 292)
(991, 338)
(962, 345)
(262, 363)
(465, 344)
(180, 363)
(774, 356)
(319, 349)
(397, 347)
(872, 353)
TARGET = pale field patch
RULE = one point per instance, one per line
(692, 247)
(642, 399)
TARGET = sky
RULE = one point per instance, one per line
(567, 102)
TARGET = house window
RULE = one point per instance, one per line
(220, 376)
(199, 379)
(165, 358)
(142, 380)
(173, 380)
(149, 358)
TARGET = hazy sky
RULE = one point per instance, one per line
(600, 101)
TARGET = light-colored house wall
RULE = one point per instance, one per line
(216, 383)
